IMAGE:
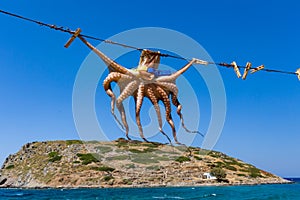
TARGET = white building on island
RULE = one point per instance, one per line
(207, 175)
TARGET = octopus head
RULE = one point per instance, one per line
(149, 59)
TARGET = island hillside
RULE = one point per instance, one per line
(121, 163)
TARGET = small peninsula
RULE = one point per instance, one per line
(120, 163)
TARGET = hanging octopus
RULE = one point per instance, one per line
(139, 83)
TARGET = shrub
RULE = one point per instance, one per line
(135, 151)
(10, 167)
(69, 142)
(118, 157)
(182, 159)
(244, 170)
(107, 178)
(214, 154)
(54, 156)
(103, 149)
(241, 175)
(201, 152)
(105, 169)
(152, 144)
(198, 158)
(232, 168)
(254, 172)
(153, 167)
(92, 142)
(147, 150)
(144, 160)
(219, 173)
(121, 142)
(217, 154)
(232, 161)
(87, 158)
(127, 181)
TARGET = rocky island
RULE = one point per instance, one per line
(120, 163)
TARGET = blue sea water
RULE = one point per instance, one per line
(267, 192)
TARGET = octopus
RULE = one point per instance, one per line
(140, 83)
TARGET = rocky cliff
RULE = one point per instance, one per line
(121, 163)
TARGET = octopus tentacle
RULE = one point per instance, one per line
(174, 76)
(167, 104)
(169, 86)
(174, 92)
(127, 91)
(114, 77)
(124, 120)
(176, 103)
(138, 104)
(112, 65)
(112, 105)
(150, 94)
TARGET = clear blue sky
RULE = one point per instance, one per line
(37, 73)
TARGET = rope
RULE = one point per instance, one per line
(67, 30)
(243, 67)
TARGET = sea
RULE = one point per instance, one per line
(267, 192)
